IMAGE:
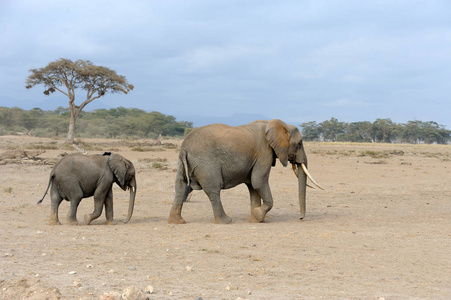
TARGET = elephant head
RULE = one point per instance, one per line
(286, 141)
(124, 176)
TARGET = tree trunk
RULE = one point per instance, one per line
(71, 132)
(73, 117)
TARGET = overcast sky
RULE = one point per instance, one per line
(295, 60)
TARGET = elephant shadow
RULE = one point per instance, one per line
(283, 217)
(135, 220)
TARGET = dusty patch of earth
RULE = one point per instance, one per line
(381, 229)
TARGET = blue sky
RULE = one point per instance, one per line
(298, 60)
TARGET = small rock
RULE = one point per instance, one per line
(110, 296)
(132, 268)
(111, 271)
(149, 289)
(189, 269)
(72, 272)
(89, 266)
(132, 292)
(77, 283)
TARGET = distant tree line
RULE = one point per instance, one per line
(108, 123)
(380, 131)
(136, 123)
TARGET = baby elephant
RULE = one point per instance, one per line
(78, 176)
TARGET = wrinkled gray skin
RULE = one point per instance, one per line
(217, 156)
(78, 176)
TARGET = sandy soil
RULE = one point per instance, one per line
(381, 229)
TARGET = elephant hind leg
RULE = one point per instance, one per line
(56, 200)
(72, 213)
(181, 193)
(175, 216)
(218, 210)
(74, 196)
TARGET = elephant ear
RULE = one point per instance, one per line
(119, 166)
(279, 139)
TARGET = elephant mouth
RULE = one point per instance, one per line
(304, 168)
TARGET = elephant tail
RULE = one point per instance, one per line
(52, 175)
(183, 155)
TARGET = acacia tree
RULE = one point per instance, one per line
(65, 76)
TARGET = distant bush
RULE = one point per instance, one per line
(380, 131)
(112, 123)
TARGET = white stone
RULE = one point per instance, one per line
(149, 289)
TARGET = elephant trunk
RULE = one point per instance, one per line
(302, 173)
(302, 179)
(131, 203)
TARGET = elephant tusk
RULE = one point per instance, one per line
(310, 176)
(293, 166)
(295, 170)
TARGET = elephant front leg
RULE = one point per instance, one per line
(255, 203)
(109, 208)
(260, 212)
(98, 207)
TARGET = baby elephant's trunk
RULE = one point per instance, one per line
(131, 203)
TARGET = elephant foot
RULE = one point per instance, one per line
(223, 220)
(259, 214)
(88, 219)
(110, 222)
(175, 217)
(72, 222)
(252, 219)
(176, 220)
(54, 222)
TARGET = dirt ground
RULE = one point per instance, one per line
(380, 230)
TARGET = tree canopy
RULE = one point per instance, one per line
(65, 76)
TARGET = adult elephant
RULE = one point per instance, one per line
(78, 176)
(218, 156)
